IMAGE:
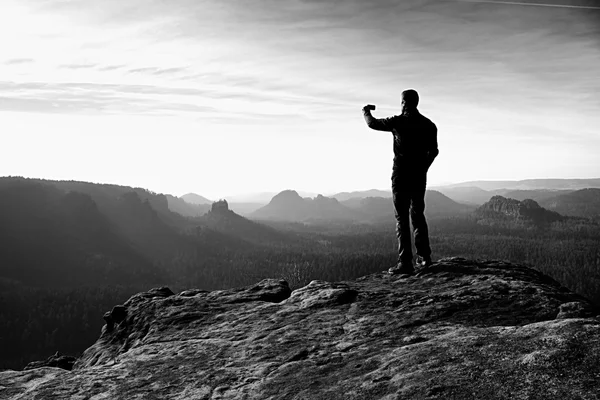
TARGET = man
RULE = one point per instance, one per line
(415, 148)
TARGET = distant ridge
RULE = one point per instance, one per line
(185, 208)
(363, 194)
(194, 198)
(539, 195)
(260, 197)
(528, 184)
(438, 204)
(378, 209)
(466, 194)
(581, 203)
(222, 219)
(289, 206)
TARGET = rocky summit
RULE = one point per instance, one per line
(459, 329)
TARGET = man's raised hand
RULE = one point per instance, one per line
(369, 107)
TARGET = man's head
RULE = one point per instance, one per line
(410, 100)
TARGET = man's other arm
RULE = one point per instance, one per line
(385, 124)
(432, 146)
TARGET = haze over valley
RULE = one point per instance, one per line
(100, 243)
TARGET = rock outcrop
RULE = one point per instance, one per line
(224, 220)
(56, 360)
(220, 206)
(459, 329)
(526, 212)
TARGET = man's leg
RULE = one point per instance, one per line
(417, 215)
(401, 198)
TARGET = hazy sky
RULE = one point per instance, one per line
(233, 96)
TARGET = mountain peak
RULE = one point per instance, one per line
(194, 198)
(286, 195)
(325, 200)
(491, 327)
(288, 205)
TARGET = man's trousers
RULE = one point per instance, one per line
(408, 194)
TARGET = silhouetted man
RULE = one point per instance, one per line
(415, 148)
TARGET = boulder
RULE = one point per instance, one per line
(459, 329)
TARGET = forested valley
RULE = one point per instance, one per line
(70, 251)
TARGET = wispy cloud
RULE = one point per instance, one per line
(157, 71)
(19, 61)
(321, 56)
(111, 67)
(213, 103)
(78, 66)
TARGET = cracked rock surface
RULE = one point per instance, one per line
(459, 329)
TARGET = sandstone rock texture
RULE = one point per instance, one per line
(459, 329)
(57, 360)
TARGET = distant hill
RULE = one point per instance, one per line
(194, 198)
(465, 194)
(530, 184)
(191, 209)
(187, 209)
(477, 196)
(289, 206)
(49, 237)
(439, 205)
(379, 209)
(245, 208)
(510, 212)
(581, 203)
(221, 219)
(105, 195)
(344, 196)
(125, 234)
(538, 195)
(142, 217)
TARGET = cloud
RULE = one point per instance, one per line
(111, 67)
(320, 56)
(78, 66)
(90, 98)
(157, 70)
(19, 61)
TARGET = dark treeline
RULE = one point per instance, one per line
(36, 322)
(66, 257)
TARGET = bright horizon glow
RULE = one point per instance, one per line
(228, 98)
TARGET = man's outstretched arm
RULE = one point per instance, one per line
(374, 123)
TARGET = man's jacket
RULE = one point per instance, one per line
(415, 137)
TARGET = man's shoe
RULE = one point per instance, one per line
(402, 269)
(424, 262)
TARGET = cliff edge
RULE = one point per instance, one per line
(460, 329)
